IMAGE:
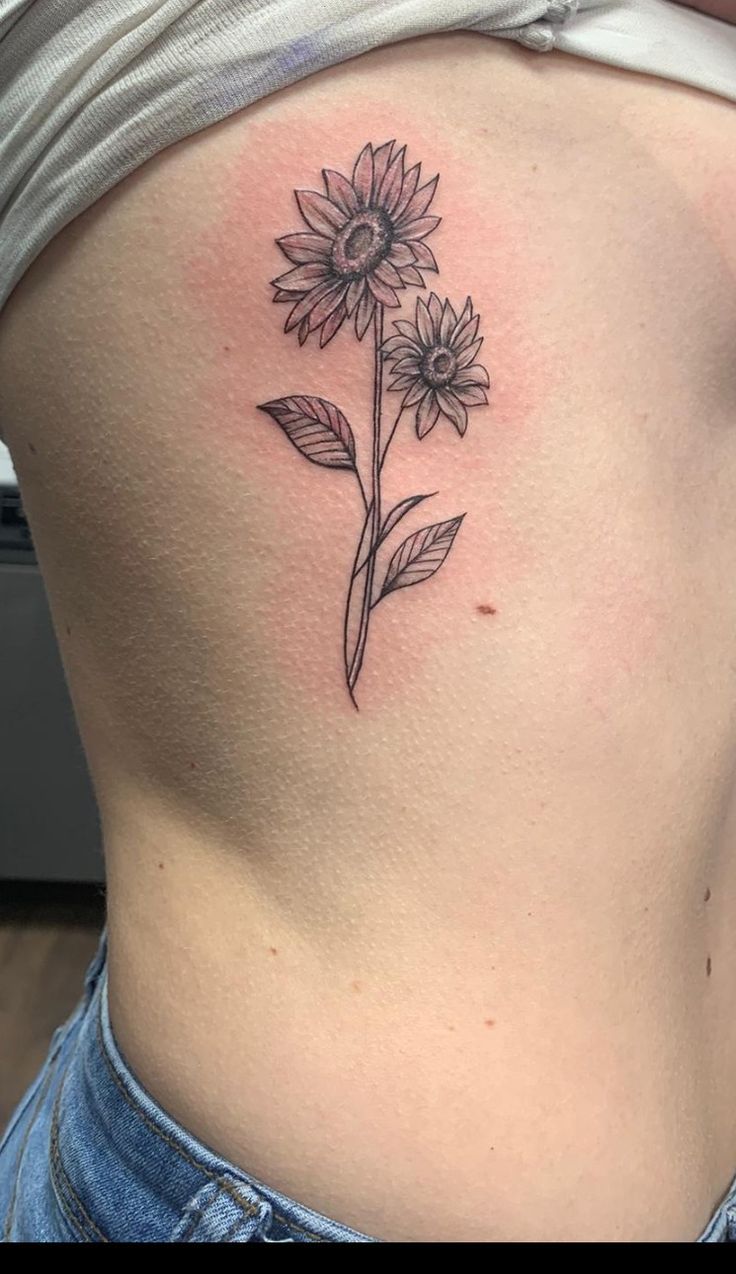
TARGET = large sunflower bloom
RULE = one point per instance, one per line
(433, 361)
(365, 243)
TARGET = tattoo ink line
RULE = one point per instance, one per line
(353, 672)
(365, 244)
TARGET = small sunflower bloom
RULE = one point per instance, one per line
(433, 361)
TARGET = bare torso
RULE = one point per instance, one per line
(460, 965)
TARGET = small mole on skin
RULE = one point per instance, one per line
(192, 765)
(274, 950)
(706, 896)
(160, 866)
(490, 1021)
(227, 348)
(32, 449)
(68, 630)
(646, 909)
(451, 1028)
(708, 967)
(485, 609)
(357, 986)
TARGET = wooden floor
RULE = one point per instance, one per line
(48, 934)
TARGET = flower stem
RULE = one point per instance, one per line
(354, 665)
(390, 437)
(361, 557)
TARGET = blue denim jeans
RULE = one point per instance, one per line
(90, 1158)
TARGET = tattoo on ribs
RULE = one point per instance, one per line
(366, 243)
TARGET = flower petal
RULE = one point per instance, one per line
(305, 247)
(319, 213)
(285, 296)
(327, 304)
(339, 191)
(399, 345)
(475, 375)
(425, 326)
(411, 277)
(419, 203)
(401, 254)
(393, 181)
(303, 332)
(449, 321)
(460, 336)
(421, 228)
(332, 325)
(470, 395)
(382, 292)
(468, 354)
(355, 292)
(423, 256)
(302, 277)
(402, 382)
(307, 303)
(411, 181)
(381, 160)
(408, 366)
(363, 175)
(434, 305)
(364, 314)
(386, 273)
(408, 330)
(454, 410)
(465, 316)
(428, 413)
(414, 394)
(465, 336)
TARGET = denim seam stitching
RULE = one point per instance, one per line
(62, 1181)
(248, 1208)
(292, 1225)
(66, 1211)
(195, 1217)
(24, 1142)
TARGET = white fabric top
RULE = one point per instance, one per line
(91, 89)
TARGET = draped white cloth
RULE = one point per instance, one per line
(91, 89)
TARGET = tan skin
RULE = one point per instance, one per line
(461, 965)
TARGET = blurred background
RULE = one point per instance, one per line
(51, 872)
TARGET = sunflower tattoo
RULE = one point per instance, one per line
(364, 246)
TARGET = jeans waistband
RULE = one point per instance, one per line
(124, 1170)
(722, 1226)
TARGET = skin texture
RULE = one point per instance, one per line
(446, 968)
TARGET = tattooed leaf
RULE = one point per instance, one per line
(389, 522)
(421, 555)
(317, 429)
(399, 511)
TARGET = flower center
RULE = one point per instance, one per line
(363, 241)
(438, 366)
